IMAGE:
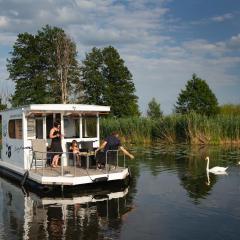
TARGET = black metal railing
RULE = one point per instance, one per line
(42, 161)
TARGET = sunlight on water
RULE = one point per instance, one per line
(171, 196)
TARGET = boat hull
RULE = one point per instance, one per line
(53, 189)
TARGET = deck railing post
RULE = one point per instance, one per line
(35, 161)
(61, 166)
(117, 158)
(112, 156)
(74, 163)
(106, 160)
(87, 159)
(42, 163)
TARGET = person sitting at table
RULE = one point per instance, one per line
(76, 152)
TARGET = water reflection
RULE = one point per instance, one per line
(87, 216)
(188, 163)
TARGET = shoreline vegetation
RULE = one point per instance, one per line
(192, 128)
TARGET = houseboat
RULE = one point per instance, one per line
(26, 153)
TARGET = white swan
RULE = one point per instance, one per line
(208, 179)
(215, 170)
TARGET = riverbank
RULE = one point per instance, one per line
(189, 129)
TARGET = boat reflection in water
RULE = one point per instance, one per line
(76, 216)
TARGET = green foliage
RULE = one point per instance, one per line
(197, 97)
(107, 81)
(230, 109)
(2, 106)
(134, 129)
(154, 110)
(36, 69)
(189, 128)
(194, 128)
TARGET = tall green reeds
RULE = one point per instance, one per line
(136, 129)
(199, 129)
(190, 128)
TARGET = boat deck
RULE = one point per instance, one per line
(71, 171)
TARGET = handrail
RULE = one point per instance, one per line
(109, 151)
(117, 151)
(45, 156)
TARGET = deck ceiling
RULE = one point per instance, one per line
(65, 109)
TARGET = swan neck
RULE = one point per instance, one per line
(207, 164)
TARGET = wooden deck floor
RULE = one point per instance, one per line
(72, 171)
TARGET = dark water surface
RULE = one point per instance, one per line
(170, 197)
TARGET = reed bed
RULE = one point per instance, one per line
(135, 129)
(190, 129)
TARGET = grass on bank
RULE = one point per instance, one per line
(190, 129)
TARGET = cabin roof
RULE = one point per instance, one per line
(56, 108)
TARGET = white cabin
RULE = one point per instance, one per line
(21, 125)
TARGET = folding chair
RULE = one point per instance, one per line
(40, 155)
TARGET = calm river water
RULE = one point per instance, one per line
(170, 197)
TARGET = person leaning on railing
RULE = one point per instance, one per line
(112, 142)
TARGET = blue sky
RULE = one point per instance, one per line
(163, 42)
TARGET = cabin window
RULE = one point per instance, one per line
(15, 128)
(89, 127)
(35, 128)
(71, 127)
(31, 128)
(39, 128)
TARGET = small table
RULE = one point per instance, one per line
(87, 155)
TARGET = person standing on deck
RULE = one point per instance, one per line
(112, 142)
(56, 146)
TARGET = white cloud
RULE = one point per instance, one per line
(215, 19)
(3, 21)
(234, 42)
(85, 4)
(223, 17)
(203, 48)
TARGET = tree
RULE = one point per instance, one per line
(108, 81)
(93, 79)
(43, 66)
(154, 111)
(197, 97)
(67, 65)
